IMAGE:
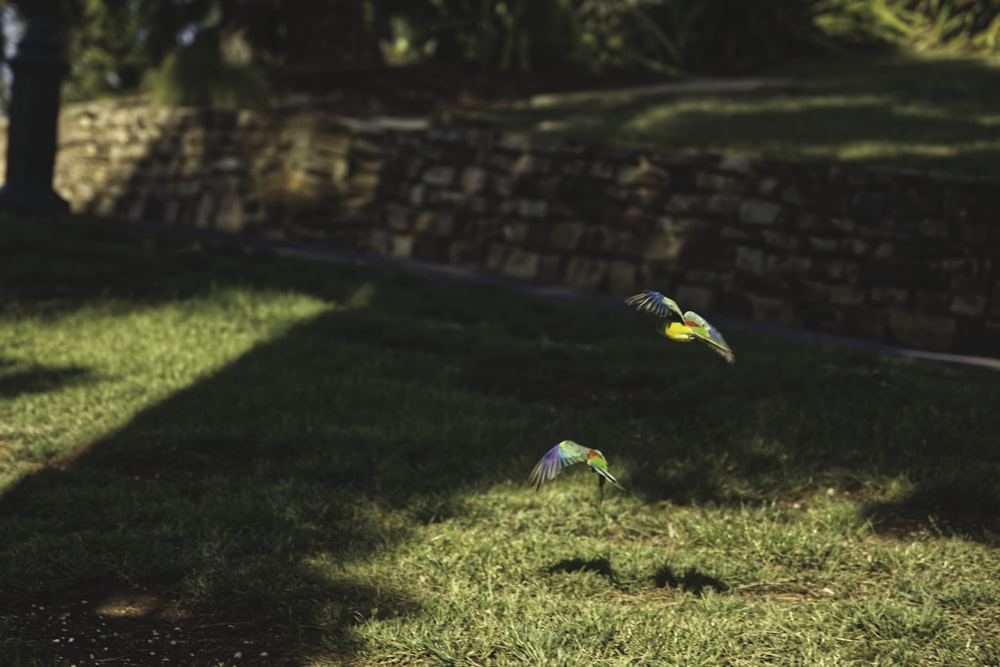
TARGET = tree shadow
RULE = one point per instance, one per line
(230, 528)
(953, 503)
(225, 529)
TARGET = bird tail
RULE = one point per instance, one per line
(605, 475)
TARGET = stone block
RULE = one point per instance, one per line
(767, 308)
(736, 233)
(708, 180)
(811, 222)
(422, 222)
(566, 235)
(965, 273)
(586, 273)
(767, 186)
(439, 175)
(416, 195)
(881, 228)
(397, 216)
(822, 244)
(749, 259)
(378, 242)
(779, 239)
(971, 305)
(429, 248)
(529, 163)
(622, 277)
(602, 170)
(684, 203)
(884, 250)
(703, 277)
(742, 164)
(466, 253)
(759, 212)
(889, 296)
(550, 268)
(643, 174)
(855, 246)
(521, 263)
(974, 234)
(514, 141)
(788, 264)
(724, 204)
(443, 223)
(663, 246)
(931, 301)
(868, 204)
(515, 232)
(532, 208)
(204, 210)
(401, 245)
(496, 256)
(473, 179)
(847, 295)
(230, 216)
(695, 297)
(934, 228)
(845, 225)
(792, 194)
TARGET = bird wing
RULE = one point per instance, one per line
(566, 453)
(708, 334)
(656, 304)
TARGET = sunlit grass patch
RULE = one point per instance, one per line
(933, 114)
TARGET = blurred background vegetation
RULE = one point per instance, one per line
(228, 53)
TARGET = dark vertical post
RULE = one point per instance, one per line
(38, 68)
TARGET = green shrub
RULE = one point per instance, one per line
(197, 75)
(951, 26)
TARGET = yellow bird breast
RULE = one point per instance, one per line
(678, 332)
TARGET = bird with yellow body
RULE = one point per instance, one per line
(680, 326)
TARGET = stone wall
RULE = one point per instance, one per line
(890, 257)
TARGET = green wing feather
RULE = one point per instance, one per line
(708, 334)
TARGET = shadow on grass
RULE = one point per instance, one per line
(37, 379)
(691, 581)
(956, 502)
(601, 566)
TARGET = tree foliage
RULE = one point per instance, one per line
(184, 48)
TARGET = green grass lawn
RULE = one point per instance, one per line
(928, 114)
(208, 456)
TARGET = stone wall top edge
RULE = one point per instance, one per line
(832, 173)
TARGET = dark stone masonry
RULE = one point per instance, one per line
(890, 257)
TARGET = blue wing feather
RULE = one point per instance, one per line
(656, 304)
(564, 454)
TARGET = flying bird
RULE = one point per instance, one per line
(679, 326)
(568, 453)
